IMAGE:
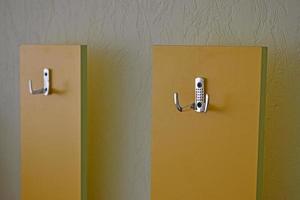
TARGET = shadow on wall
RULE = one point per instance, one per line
(105, 146)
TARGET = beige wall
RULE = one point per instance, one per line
(119, 34)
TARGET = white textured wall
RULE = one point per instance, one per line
(119, 34)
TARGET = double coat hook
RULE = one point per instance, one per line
(200, 103)
(46, 88)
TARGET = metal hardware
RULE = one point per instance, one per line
(46, 89)
(182, 108)
(200, 104)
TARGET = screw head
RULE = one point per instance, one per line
(199, 84)
(199, 104)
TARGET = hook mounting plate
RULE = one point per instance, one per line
(201, 103)
(46, 77)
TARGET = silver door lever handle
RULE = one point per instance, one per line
(45, 89)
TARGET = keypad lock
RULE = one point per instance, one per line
(201, 98)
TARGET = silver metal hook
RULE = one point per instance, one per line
(200, 104)
(206, 102)
(179, 107)
(46, 89)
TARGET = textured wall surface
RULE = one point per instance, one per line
(119, 34)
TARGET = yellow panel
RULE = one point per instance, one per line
(213, 155)
(53, 127)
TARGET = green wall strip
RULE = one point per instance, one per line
(262, 121)
(84, 128)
